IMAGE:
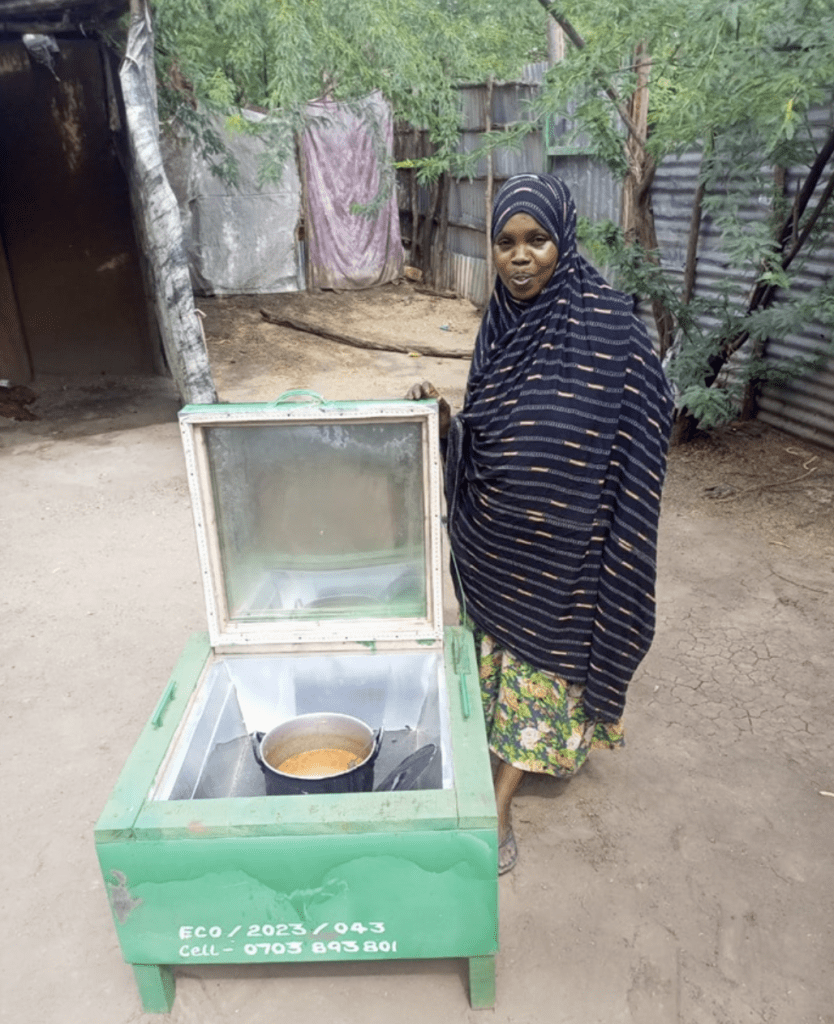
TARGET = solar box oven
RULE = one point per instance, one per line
(319, 534)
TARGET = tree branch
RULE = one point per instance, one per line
(825, 198)
(762, 293)
(610, 92)
(379, 346)
(803, 197)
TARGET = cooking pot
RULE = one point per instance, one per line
(320, 731)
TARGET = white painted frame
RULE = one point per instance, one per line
(331, 634)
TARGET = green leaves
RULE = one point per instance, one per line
(714, 64)
(280, 54)
(711, 406)
(735, 80)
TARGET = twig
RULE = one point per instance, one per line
(761, 487)
(440, 293)
(779, 483)
(801, 454)
(817, 590)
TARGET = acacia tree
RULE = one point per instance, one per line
(737, 80)
(277, 55)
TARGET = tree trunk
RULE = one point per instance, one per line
(637, 216)
(427, 234)
(789, 242)
(691, 264)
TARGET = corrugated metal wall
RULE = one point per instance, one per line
(596, 191)
(805, 407)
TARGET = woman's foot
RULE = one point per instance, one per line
(507, 853)
(507, 780)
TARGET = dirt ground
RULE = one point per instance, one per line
(684, 880)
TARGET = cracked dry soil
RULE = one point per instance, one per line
(686, 879)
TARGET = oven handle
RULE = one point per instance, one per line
(299, 393)
(460, 661)
(164, 701)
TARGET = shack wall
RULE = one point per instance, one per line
(74, 276)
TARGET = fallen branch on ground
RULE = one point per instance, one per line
(347, 339)
(440, 293)
(762, 487)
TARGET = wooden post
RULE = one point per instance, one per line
(442, 248)
(14, 352)
(490, 272)
(415, 205)
(555, 42)
(305, 208)
(428, 233)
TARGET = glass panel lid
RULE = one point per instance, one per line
(316, 519)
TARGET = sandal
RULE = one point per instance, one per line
(507, 853)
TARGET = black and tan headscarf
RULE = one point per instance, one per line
(555, 466)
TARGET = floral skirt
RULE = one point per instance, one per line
(535, 720)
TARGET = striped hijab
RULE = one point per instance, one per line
(555, 465)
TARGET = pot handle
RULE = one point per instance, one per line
(256, 747)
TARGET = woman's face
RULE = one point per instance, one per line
(525, 256)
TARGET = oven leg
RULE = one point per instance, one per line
(156, 986)
(482, 982)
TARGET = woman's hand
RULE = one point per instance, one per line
(421, 392)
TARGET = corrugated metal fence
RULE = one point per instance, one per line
(495, 108)
(804, 407)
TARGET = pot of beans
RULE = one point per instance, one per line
(321, 752)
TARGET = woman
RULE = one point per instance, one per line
(554, 469)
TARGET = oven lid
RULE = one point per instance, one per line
(317, 522)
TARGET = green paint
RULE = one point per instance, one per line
(355, 876)
(156, 987)
(129, 794)
(420, 894)
(339, 814)
(313, 396)
(473, 787)
(482, 982)
(164, 701)
(224, 410)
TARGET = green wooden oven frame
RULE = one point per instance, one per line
(188, 880)
(274, 879)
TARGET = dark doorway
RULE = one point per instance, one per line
(65, 216)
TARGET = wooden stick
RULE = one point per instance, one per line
(488, 195)
(381, 346)
(415, 206)
(442, 277)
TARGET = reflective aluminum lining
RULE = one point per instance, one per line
(243, 695)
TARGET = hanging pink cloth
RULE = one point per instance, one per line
(345, 149)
